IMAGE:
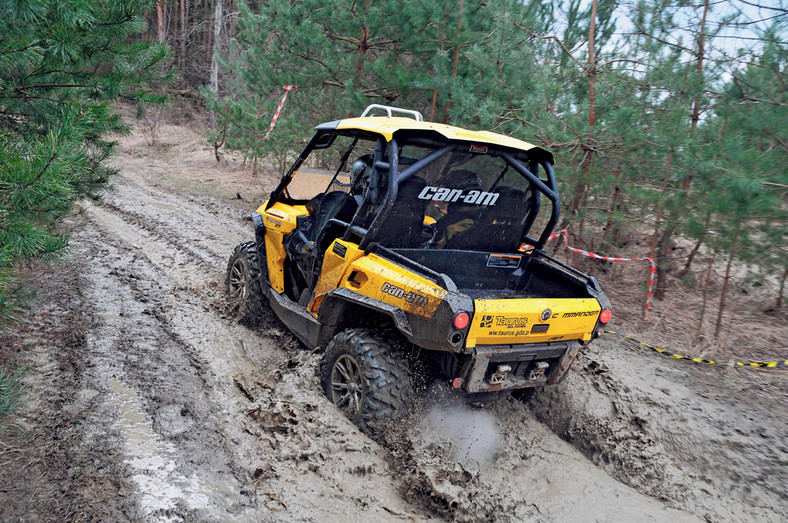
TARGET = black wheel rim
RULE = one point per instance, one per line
(347, 385)
(238, 288)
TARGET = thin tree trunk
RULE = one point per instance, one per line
(610, 234)
(454, 63)
(661, 204)
(706, 283)
(721, 310)
(443, 47)
(782, 289)
(588, 154)
(161, 22)
(701, 42)
(361, 53)
(696, 248)
(663, 262)
(184, 36)
(217, 28)
(592, 66)
(207, 45)
(692, 254)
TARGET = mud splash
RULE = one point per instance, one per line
(499, 463)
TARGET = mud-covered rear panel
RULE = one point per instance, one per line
(518, 321)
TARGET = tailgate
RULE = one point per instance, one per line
(516, 321)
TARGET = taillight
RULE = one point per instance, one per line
(461, 320)
(605, 316)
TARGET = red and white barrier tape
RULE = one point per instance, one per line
(651, 262)
(287, 88)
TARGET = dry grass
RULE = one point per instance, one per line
(752, 329)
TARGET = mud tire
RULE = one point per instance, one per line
(245, 297)
(379, 367)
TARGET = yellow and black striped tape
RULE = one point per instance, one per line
(701, 360)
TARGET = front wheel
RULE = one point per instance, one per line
(368, 378)
(244, 295)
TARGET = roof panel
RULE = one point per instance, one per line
(386, 127)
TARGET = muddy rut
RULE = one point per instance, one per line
(207, 420)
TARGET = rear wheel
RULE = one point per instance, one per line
(368, 378)
(244, 295)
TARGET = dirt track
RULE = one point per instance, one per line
(189, 416)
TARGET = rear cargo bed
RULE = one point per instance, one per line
(484, 275)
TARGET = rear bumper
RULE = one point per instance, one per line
(494, 368)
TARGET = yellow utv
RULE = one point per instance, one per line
(392, 242)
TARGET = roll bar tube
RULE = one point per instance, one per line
(550, 190)
(394, 179)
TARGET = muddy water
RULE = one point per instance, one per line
(217, 422)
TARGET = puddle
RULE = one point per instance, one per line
(163, 489)
(111, 318)
(165, 206)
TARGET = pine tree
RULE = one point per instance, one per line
(61, 65)
(448, 60)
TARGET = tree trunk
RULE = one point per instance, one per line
(725, 284)
(217, 28)
(706, 283)
(611, 230)
(683, 272)
(184, 37)
(207, 45)
(592, 66)
(661, 276)
(663, 262)
(161, 21)
(782, 289)
(701, 42)
(443, 47)
(454, 63)
(588, 154)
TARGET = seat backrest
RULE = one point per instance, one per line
(403, 226)
(499, 227)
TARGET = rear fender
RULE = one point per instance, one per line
(343, 309)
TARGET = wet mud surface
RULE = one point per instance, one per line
(156, 405)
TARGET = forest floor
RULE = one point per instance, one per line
(146, 401)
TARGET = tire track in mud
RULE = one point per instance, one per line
(244, 409)
(164, 412)
(265, 440)
(668, 435)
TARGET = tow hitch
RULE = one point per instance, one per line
(499, 376)
(538, 372)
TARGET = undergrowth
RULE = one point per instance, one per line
(10, 392)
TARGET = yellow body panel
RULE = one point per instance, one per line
(281, 217)
(335, 268)
(376, 278)
(510, 321)
(279, 220)
(388, 126)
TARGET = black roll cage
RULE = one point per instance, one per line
(391, 148)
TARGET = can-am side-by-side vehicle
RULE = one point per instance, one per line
(392, 242)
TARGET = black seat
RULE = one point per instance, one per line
(315, 233)
(402, 227)
(499, 227)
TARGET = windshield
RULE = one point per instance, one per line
(344, 166)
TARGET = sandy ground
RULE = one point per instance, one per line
(148, 402)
